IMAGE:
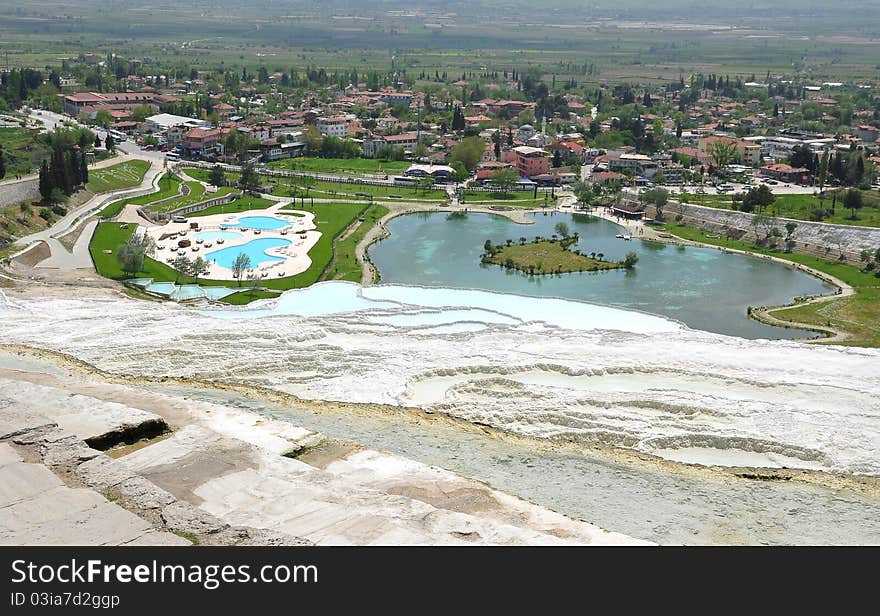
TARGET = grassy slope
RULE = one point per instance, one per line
(344, 265)
(799, 207)
(168, 187)
(124, 175)
(23, 152)
(858, 316)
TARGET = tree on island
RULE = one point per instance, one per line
(629, 262)
(241, 263)
(562, 230)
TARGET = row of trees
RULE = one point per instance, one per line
(60, 176)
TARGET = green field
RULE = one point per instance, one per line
(239, 205)
(123, 175)
(23, 152)
(800, 207)
(545, 257)
(246, 297)
(341, 165)
(307, 187)
(857, 316)
(168, 187)
(345, 265)
(197, 195)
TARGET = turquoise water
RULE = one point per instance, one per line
(161, 288)
(423, 306)
(261, 222)
(702, 287)
(255, 249)
(211, 236)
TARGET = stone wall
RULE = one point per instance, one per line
(816, 238)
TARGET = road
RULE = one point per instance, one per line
(79, 259)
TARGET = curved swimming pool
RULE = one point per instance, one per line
(218, 235)
(265, 223)
(255, 249)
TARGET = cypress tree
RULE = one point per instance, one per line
(83, 169)
(45, 181)
(2, 163)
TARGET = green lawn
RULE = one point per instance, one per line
(196, 196)
(168, 187)
(23, 151)
(858, 316)
(124, 175)
(800, 207)
(341, 165)
(344, 265)
(307, 187)
(245, 297)
(546, 257)
(239, 205)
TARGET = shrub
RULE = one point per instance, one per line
(46, 214)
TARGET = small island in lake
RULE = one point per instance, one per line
(548, 256)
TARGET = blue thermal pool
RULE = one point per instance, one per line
(212, 236)
(255, 249)
(261, 222)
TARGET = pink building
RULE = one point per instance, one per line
(529, 161)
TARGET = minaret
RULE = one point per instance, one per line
(543, 129)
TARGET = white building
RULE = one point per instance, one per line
(333, 127)
(162, 122)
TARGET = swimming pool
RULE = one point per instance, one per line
(255, 249)
(218, 235)
(261, 222)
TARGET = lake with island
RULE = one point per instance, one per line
(704, 288)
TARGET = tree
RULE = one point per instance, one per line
(629, 262)
(2, 163)
(249, 181)
(658, 197)
(218, 176)
(109, 143)
(103, 118)
(562, 230)
(461, 173)
(790, 228)
(83, 169)
(853, 201)
(505, 179)
(131, 254)
(182, 266)
(45, 181)
(468, 152)
(724, 153)
(199, 266)
(241, 264)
